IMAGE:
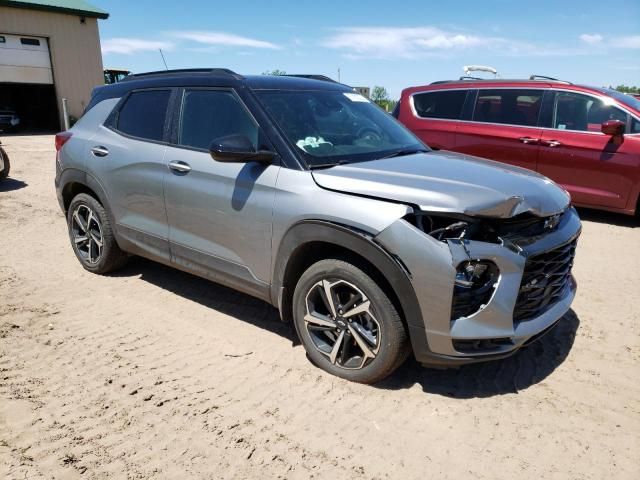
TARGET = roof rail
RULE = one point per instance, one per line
(544, 77)
(160, 73)
(323, 78)
(475, 79)
(463, 79)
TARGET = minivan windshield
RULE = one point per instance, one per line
(627, 100)
(333, 127)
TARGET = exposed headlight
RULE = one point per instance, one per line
(474, 285)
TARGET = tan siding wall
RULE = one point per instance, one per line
(75, 51)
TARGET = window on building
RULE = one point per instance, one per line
(30, 41)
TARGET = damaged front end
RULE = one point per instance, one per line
(485, 285)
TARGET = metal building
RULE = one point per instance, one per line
(49, 50)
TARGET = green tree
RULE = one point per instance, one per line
(275, 72)
(626, 89)
(380, 96)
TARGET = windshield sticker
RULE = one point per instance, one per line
(355, 97)
(312, 142)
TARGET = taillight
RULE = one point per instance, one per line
(61, 139)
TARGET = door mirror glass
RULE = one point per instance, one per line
(615, 128)
(238, 149)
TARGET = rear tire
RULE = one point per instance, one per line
(92, 237)
(7, 166)
(358, 334)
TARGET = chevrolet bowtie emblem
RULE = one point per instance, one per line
(551, 222)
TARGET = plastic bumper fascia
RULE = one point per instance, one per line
(431, 265)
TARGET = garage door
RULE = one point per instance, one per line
(25, 59)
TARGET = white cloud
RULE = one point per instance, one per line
(130, 46)
(224, 39)
(591, 38)
(632, 41)
(407, 42)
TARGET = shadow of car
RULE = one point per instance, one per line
(528, 366)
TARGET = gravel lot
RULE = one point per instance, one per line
(152, 373)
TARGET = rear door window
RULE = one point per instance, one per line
(445, 104)
(583, 113)
(143, 114)
(211, 114)
(509, 106)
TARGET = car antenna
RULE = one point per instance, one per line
(163, 60)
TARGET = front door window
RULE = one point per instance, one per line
(583, 113)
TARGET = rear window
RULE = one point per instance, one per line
(143, 114)
(508, 106)
(446, 104)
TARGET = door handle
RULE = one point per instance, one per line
(529, 140)
(552, 143)
(180, 167)
(100, 151)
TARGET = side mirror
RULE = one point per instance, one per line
(615, 128)
(238, 149)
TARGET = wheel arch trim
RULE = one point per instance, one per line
(309, 231)
(71, 176)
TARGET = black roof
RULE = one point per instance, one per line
(214, 77)
(226, 77)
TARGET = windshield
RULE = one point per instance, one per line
(628, 100)
(332, 127)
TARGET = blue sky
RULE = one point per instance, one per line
(393, 44)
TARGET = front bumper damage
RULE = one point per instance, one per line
(431, 266)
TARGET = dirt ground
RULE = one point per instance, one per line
(152, 373)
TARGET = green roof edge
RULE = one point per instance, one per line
(94, 13)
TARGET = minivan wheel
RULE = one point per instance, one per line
(347, 323)
(91, 236)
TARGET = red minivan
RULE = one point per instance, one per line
(587, 139)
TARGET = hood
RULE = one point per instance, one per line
(440, 181)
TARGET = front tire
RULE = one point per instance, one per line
(5, 166)
(92, 237)
(347, 323)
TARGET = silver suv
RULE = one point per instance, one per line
(299, 191)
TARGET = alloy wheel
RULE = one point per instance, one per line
(341, 324)
(87, 236)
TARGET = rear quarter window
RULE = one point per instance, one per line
(440, 104)
(143, 114)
